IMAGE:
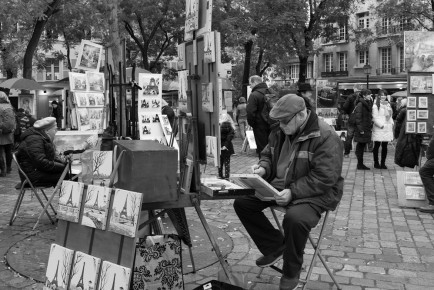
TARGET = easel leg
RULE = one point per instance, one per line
(212, 240)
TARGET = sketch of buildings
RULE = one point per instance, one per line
(125, 212)
(84, 271)
(96, 205)
(77, 81)
(95, 81)
(59, 264)
(70, 201)
(114, 276)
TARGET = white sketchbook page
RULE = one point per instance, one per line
(263, 190)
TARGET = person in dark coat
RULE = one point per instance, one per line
(255, 104)
(400, 117)
(7, 126)
(363, 125)
(167, 110)
(36, 153)
(303, 161)
(426, 173)
(57, 112)
(227, 133)
(348, 107)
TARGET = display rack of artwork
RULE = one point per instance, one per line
(420, 103)
(88, 89)
(105, 214)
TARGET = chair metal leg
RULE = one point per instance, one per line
(17, 205)
(190, 250)
(42, 204)
(46, 198)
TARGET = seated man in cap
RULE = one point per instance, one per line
(37, 155)
(303, 160)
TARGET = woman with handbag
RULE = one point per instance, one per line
(363, 125)
(382, 132)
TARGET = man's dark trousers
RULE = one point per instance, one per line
(349, 139)
(426, 173)
(297, 223)
(261, 133)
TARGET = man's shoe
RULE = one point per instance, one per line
(270, 259)
(383, 166)
(288, 283)
(362, 167)
(377, 165)
(18, 186)
(427, 209)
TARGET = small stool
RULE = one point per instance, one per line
(315, 244)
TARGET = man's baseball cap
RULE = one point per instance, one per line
(287, 106)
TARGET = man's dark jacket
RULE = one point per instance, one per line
(36, 155)
(315, 173)
(350, 103)
(363, 121)
(255, 105)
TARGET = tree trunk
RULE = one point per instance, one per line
(259, 62)
(248, 50)
(34, 40)
(114, 42)
(303, 68)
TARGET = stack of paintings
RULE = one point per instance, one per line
(70, 201)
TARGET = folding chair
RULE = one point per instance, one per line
(315, 244)
(27, 184)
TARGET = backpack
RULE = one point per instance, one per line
(7, 119)
(270, 99)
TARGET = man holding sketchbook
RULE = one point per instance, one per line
(303, 161)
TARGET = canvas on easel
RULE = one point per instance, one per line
(96, 206)
(84, 271)
(70, 200)
(58, 267)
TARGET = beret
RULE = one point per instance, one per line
(287, 106)
(45, 123)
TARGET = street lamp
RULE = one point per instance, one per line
(367, 70)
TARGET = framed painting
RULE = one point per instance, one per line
(89, 56)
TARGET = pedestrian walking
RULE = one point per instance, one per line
(168, 111)
(7, 127)
(426, 173)
(227, 133)
(382, 131)
(57, 112)
(363, 125)
(348, 107)
(303, 160)
(241, 116)
(255, 105)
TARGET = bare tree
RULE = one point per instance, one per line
(134, 203)
(104, 279)
(75, 267)
(98, 160)
(90, 194)
(62, 191)
(66, 264)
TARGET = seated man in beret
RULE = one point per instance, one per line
(37, 155)
(303, 160)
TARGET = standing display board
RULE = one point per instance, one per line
(411, 192)
(326, 101)
(198, 84)
(420, 103)
(419, 62)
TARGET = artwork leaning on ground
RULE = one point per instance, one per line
(125, 212)
(59, 264)
(84, 271)
(70, 201)
(96, 206)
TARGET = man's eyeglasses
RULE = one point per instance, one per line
(286, 122)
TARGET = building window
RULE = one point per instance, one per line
(386, 24)
(295, 71)
(363, 20)
(342, 58)
(363, 57)
(343, 33)
(328, 62)
(309, 74)
(385, 55)
(401, 59)
(404, 24)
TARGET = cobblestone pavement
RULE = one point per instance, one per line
(370, 242)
